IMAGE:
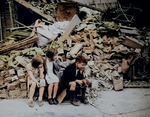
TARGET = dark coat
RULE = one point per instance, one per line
(69, 75)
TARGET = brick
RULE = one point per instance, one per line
(118, 84)
(21, 77)
(1, 82)
(13, 85)
(23, 86)
(23, 94)
(22, 80)
(8, 80)
(3, 86)
(20, 72)
(11, 72)
(3, 94)
(14, 93)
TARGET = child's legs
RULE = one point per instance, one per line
(50, 89)
(41, 91)
(55, 89)
(32, 89)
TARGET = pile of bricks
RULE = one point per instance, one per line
(13, 83)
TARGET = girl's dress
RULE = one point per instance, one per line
(50, 76)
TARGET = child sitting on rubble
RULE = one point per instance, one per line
(35, 71)
(52, 76)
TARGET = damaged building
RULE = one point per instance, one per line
(106, 33)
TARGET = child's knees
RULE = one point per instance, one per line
(72, 86)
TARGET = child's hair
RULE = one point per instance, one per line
(36, 61)
(81, 59)
(51, 53)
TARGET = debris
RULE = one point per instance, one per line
(95, 84)
(21, 61)
(131, 42)
(61, 96)
(118, 83)
(18, 45)
(76, 49)
(75, 21)
(36, 10)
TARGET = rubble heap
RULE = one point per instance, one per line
(101, 43)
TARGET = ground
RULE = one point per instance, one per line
(131, 102)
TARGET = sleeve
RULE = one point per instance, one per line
(68, 76)
(57, 67)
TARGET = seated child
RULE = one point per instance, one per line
(52, 76)
(35, 71)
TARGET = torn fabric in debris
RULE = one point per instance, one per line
(50, 32)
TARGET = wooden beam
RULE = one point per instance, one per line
(84, 5)
(131, 42)
(18, 45)
(75, 21)
(36, 10)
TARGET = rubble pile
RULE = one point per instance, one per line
(102, 43)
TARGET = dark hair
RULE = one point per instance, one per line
(81, 59)
(36, 61)
(50, 53)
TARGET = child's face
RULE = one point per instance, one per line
(81, 65)
(49, 59)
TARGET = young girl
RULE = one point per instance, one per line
(35, 71)
(52, 76)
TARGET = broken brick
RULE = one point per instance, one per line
(23, 86)
(1, 82)
(8, 80)
(13, 85)
(14, 93)
(23, 94)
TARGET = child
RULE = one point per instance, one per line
(52, 76)
(35, 71)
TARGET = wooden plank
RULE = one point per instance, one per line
(133, 42)
(75, 21)
(18, 45)
(88, 6)
(128, 31)
(61, 96)
(36, 10)
(76, 48)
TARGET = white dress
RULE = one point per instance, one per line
(50, 76)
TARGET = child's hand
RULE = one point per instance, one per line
(41, 69)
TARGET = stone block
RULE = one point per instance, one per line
(8, 80)
(23, 94)
(118, 84)
(13, 85)
(14, 93)
(3, 94)
(23, 80)
(23, 86)
(11, 72)
(1, 82)
(20, 72)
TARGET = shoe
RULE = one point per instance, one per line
(30, 103)
(41, 103)
(50, 101)
(84, 101)
(55, 101)
(75, 103)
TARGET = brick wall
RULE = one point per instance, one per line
(7, 16)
